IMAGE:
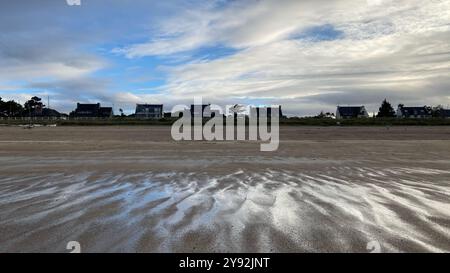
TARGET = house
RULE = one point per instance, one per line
(445, 113)
(46, 112)
(345, 112)
(414, 112)
(92, 111)
(149, 111)
(40, 112)
(203, 110)
(106, 112)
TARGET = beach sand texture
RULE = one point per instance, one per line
(134, 189)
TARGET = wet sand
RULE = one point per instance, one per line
(133, 189)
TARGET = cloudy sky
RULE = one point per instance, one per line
(307, 55)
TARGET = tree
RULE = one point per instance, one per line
(325, 115)
(13, 109)
(10, 108)
(2, 107)
(429, 109)
(386, 110)
(437, 111)
(34, 106)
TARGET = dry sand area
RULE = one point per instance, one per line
(134, 189)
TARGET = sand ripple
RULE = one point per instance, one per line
(336, 209)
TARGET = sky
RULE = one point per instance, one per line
(308, 56)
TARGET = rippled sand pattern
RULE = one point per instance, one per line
(134, 189)
(337, 209)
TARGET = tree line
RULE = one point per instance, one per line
(32, 107)
(387, 111)
(35, 107)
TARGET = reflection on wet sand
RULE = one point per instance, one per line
(340, 209)
(134, 189)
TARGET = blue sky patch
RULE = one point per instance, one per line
(321, 33)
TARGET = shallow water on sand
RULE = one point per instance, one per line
(336, 209)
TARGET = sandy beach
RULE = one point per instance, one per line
(134, 189)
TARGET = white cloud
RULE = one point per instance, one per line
(396, 49)
(390, 48)
(255, 23)
(57, 70)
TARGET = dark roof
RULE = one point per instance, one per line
(50, 113)
(105, 111)
(353, 111)
(421, 108)
(143, 107)
(92, 110)
(415, 111)
(87, 107)
(43, 112)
